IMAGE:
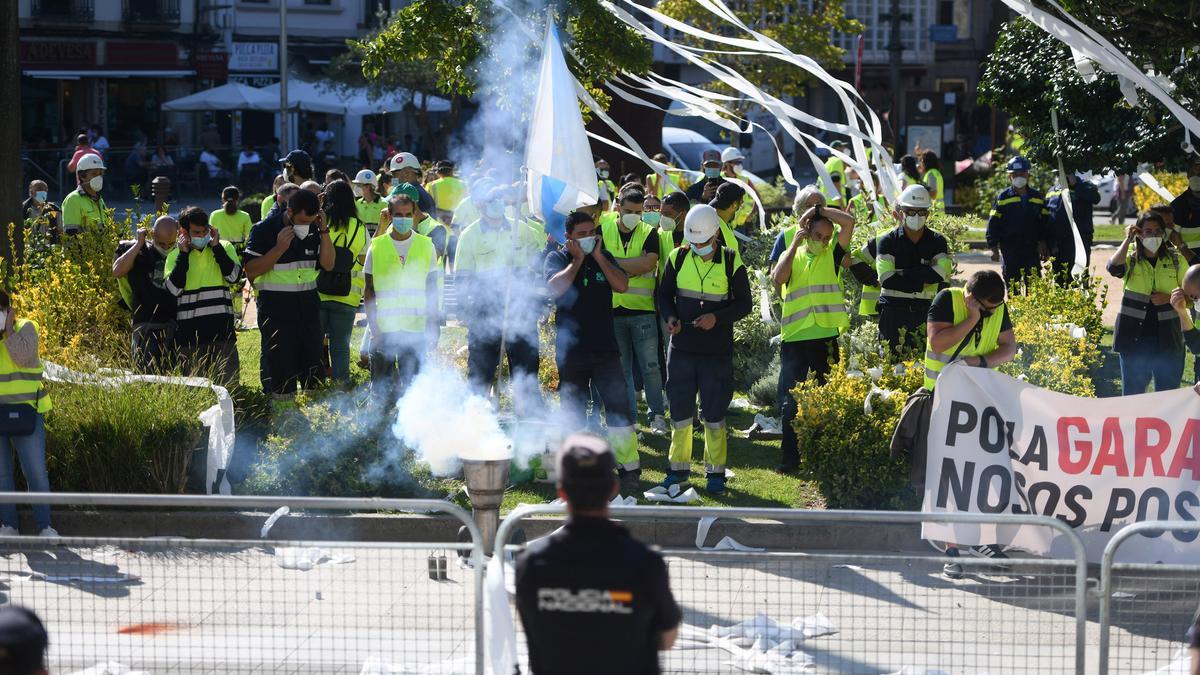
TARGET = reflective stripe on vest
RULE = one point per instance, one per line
(812, 295)
(293, 277)
(400, 295)
(203, 285)
(1142, 279)
(983, 341)
(640, 295)
(709, 285)
(21, 385)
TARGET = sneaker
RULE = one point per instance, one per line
(631, 484)
(6, 531)
(716, 484)
(989, 551)
(674, 478)
(49, 533)
(952, 569)
(658, 427)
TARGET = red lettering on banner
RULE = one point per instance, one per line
(1065, 461)
(1112, 449)
(1145, 453)
(1187, 453)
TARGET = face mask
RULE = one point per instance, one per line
(163, 249)
(855, 184)
(1194, 183)
(712, 173)
(816, 247)
(704, 250)
(666, 224)
(40, 196)
(199, 243)
(630, 220)
(1152, 243)
(494, 210)
(1020, 182)
(301, 231)
(651, 218)
(1196, 304)
(402, 224)
(588, 245)
(358, 191)
(97, 183)
(603, 173)
(287, 175)
(914, 222)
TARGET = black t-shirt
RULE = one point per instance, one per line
(651, 246)
(152, 302)
(307, 250)
(584, 313)
(942, 311)
(1193, 635)
(593, 600)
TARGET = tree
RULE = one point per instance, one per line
(1029, 74)
(784, 21)
(10, 129)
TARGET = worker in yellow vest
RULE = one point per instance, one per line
(85, 208)
(608, 189)
(21, 385)
(970, 325)
(448, 190)
(913, 262)
(233, 223)
(423, 223)
(660, 187)
(367, 201)
(672, 213)
(341, 293)
(808, 274)
(403, 300)
(731, 168)
(198, 273)
(583, 277)
(931, 176)
(634, 245)
(139, 271)
(726, 203)
(704, 291)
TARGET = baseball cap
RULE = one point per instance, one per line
(701, 223)
(731, 154)
(300, 160)
(710, 156)
(405, 160)
(585, 458)
(407, 189)
(23, 640)
(839, 144)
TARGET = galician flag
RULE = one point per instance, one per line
(561, 174)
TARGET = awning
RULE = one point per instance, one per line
(361, 104)
(232, 96)
(303, 95)
(76, 74)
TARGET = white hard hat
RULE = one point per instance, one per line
(701, 223)
(731, 155)
(364, 177)
(914, 197)
(88, 162)
(405, 160)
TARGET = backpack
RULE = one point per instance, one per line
(337, 281)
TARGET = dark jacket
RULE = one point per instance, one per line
(1017, 220)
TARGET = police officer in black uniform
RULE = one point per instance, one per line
(591, 598)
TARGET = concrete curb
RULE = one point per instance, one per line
(666, 533)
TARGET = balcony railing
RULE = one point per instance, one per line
(75, 11)
(160, 12)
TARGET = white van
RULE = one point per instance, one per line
(684, 149)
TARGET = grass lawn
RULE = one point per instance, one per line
(753, 462)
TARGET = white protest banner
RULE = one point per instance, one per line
(999, 445)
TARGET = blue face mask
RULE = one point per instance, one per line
(712, 173)
(588, 245)
(402, 224)
(199, 243)
(40, 195)
(494, 210)
(702, 251)
(651, 218)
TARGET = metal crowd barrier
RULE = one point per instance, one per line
(261, 605)
(1151, 604)
(859, 612)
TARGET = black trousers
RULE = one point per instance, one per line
(798, 361)
(709, 375)
(483, 358)
(292, 338)
(578, 373)
(901, 325)
(394, 362)
(1018, 259)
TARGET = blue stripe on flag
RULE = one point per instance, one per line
(552, 190)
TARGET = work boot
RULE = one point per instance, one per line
(674, 478)
(716, 484)
(631, 485)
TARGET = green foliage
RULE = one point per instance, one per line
(252, 204)
(774, 195)
(140, 439)
(764, 390)
(1029, 73)
(801, 30)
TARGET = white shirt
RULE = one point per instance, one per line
(247, 158)
(210, 160)
(402, 247)
(324, 136)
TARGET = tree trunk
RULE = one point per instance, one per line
(11, 193)
(437, 141)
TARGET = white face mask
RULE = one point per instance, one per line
(3, 317)
(666, 224)
(1194, 183)
(1152, 244)
(96, 183)
(1020, 182)
(630, 220)
(914, 222)
(358, 191)
(301, 231)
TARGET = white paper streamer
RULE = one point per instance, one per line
(1081, 262)
(1152, 183)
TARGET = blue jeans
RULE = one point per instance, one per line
(337, 322)
(31, 451)
(1141, 366)
(637, 336)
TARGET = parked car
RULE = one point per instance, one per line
(684, 148)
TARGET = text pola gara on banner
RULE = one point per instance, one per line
(999, 445)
